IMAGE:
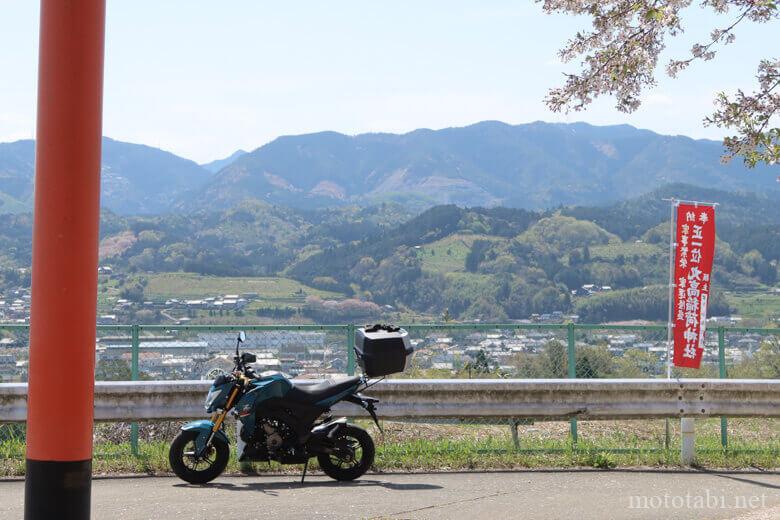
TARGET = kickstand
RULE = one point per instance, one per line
(305, 465)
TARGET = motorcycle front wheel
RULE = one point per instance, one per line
(352, 456)
(196, 470)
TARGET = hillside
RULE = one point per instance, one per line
(746, 220)
(17, 163)
(499, 263)
(632, 217)
(475, 263)
(535, 166)
(136, 179)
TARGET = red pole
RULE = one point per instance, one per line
(64, 266)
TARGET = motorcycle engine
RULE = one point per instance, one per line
(272, 435)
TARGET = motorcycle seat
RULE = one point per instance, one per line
(321, 391)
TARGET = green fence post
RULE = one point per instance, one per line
(572, 362)
(724, 426)
(351, 349)
(135, 344)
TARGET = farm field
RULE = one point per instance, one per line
(609, 252)
(763, 306)
(448, 255)
(189, 285)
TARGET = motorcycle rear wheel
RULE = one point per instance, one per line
(189, 468)
(352, 458)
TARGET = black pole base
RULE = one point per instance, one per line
(56, 489)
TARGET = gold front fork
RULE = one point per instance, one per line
(221, 417)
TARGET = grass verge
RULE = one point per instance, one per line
(449, 447)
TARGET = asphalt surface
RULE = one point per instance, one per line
(548, 494)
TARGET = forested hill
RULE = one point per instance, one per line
(533, 166)
(745, 220)
(632, 217)
(337, 263)
(475, 263)
(489, 263)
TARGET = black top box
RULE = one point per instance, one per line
(382, 349)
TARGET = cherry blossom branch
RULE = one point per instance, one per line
(620, 55)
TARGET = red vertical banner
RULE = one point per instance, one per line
(692, 275)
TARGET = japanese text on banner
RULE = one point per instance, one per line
(692, 275)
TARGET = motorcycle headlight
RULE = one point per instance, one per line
(211, 397)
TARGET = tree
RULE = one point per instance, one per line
(575, 258)
(763, 364)
(134, 292)
(476, 254)
(112, 370)
(481, 363)
(550, 299)
(594, 362)
(621, 52)
(486, 309)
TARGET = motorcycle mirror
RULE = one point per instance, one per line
(241, 337)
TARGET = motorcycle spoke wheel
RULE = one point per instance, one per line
(347, 456)
(194, 463)
(193, 469)
(352, 456)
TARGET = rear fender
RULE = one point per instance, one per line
(368, 404)
(204, 428)
(330, 429)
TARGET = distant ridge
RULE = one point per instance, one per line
(215, 166)
(533, 166)
(537, 165)
(136, 179)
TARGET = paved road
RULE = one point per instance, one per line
(561, 494)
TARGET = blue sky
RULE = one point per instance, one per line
(203, 78)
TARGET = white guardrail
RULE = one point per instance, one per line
(458, 398)
(466, 399)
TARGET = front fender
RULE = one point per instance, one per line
(204, 428)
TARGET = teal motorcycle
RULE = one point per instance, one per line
(285, 421)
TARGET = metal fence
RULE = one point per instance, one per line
(443, 350)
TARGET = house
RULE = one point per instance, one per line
(659, 350)
(172, 348)
(266, 361)
(644, 346)
(724, 320)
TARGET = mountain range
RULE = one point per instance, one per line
(136, 179)
(534, 166)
